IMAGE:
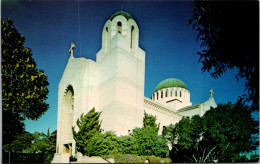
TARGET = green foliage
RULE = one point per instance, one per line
(232, 128)
(51, 142)
(143, 141)
(24, 87)
(28, 148)
(108, 143)
(159, 160)
(102, 144)
(20, 144)
(38, 144)
(231, 40)
(149, 121)
(126, 158)
(222, 134)
(89, 126)
(148, 141)
(127, 145)
(185, 133)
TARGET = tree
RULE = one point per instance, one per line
(127, 145)
(103, 144)
(222, 134)
(183, 136)
(48, 132)
(149, 143)
(39, 144)
(232, 129)
(184, 133)
(229, 31)
(148, 140)
(51, 142)
(20, 144)
(89, 125)
(24, 87)
(149, 121)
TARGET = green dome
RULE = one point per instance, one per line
(123, 13)
(171, 82)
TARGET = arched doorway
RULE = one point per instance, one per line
(67, 119)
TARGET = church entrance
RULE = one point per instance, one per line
(68, 148)
(67, 119)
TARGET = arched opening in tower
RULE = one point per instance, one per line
(119, 27)
(106, 39)
(132, 36)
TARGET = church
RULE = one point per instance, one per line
(114, 84)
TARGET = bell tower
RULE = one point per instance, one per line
(121, 69)
(120, 28)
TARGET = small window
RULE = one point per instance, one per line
(180, 93)
(157, 95)
(132, 37)
(176, 93)
(171, 92)
(161, 94)
(166, 93)
(119, 27)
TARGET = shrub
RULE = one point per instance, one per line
(152, 159)
(126, 158)
(127, 145)
(149, 143)
(102, 144)
(167, 160)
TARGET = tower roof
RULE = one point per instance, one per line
(171, 82)
(123, 13)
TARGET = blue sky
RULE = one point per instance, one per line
(170, 44)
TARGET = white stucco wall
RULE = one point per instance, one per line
(79, 73)
(164, 115)
(199, 109)
(121, 86)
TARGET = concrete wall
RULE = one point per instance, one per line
(79, 73)
(121, 69)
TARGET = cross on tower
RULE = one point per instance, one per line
(211, 92)
(72, 46)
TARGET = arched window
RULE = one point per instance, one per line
(171, 92)
(176, 93)
(67, 114)
(157, 95)
(119, 27)
(180, 93)
(132, 37)
(161, 94)
(166, 93)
